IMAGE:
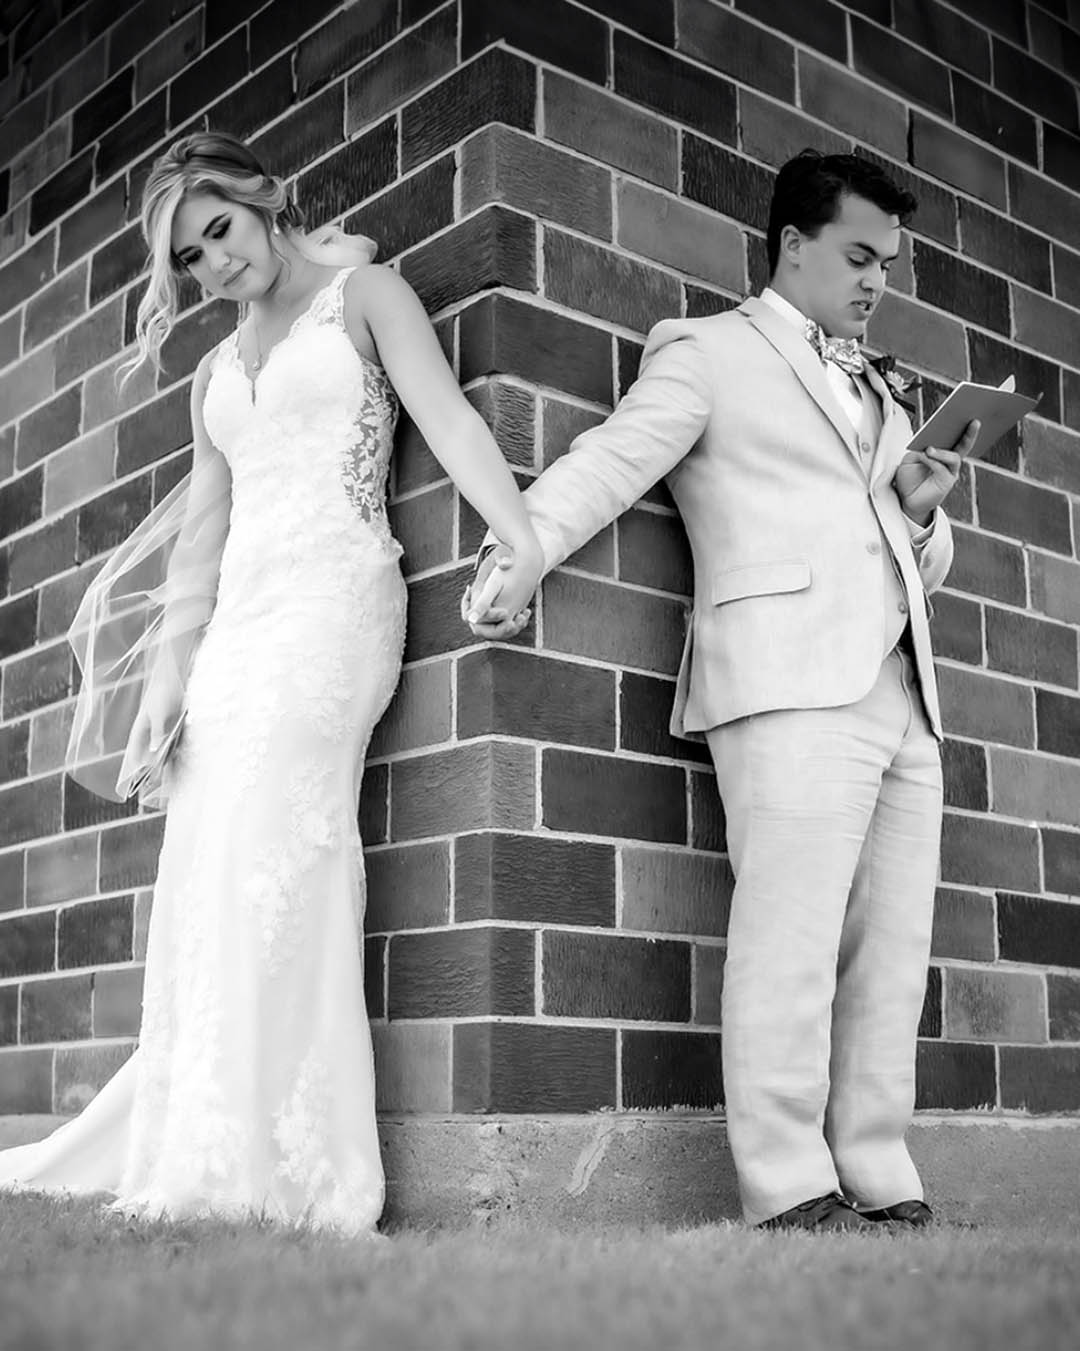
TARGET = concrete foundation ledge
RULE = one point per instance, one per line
(675, 1169)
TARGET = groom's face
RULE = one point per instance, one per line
(844, 267)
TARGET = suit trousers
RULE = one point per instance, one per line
(834, 831)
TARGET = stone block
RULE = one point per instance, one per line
(997, 1006)
(604, 795)
(668, 1070)
(483, 784)
(586, 975)
(659, 80)
(533, 878)
(529, 1067)
(412, 1067)
(609, 129)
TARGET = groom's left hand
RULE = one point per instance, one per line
(924, 478)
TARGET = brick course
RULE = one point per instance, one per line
(552, 180)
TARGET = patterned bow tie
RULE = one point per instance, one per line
(843, 352)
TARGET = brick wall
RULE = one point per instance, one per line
(548, 884)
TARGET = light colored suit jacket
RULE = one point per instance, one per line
(789, 533)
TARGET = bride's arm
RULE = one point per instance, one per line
(382, 309)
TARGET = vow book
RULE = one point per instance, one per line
(997, 407)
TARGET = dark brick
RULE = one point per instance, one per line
(1031, 648)
(653, 552)
(14, 745)
(56, 1010)
(215, 72)
(21, 501)
(592, 618)
(355, 171)
(62, 870)
(957, 628)
(900, 66)
(496, 87)
(133, 137)
(27, 944)
(959, 288)
(602, 795)
(461, 973)
(750, 54)
(154, 430)
(528, 1067)
(102, 110)
(988, 567)
(607, 285)
(515, 693)
(821, 25)
(343, 42)
(987, 852)
(504, 165)
(48, 428)
(45, 551)
(1058, 721)
(532, 878)
(1066, 276)
(110, 518)
(1040, 1078)
(604, 976)
(1063, 999)
(11, 880)
(56, 305)
(304, 134)
(222, 16)
(964, 766)
(280, 23)
(986, 707)
(937, 211)
(1003, 16)
(424, 526)
(1036, 515)
(964, 926)
(945, 33)
(96, 932)
(1035, 86)
(609, 130)
(62, 191)
(244, 108)
(435, 623)
(628, 361)
(930, 1020)
(1005, 245)
(510, 413)
(194, 335)
(674, 88)
(373, 816)
(408, 887)
(1061, 861)
(644, 715)
(31, 682)
(959, 160)
(954, 1076)
(9, 1015)
(701, 302)
(18, 625)
(117, 263)
(84, 808)
(409, 211)
(401, 69)
(375, 950)
(129, 853)
(557, 33)
(852, 105)
(26, 1079)
(667, 1070)
(1039, 202)
(477, 785)
(495, 247)
(726, 182)
(994, 120)
(1061, 156)
(501, 335)
(1041, 932)
(168, 56)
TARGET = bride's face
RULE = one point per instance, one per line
(225, 247)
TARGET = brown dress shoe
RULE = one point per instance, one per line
(822, 1214)
(912, 1214)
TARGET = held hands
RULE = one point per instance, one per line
(925, 477)
(509, 577)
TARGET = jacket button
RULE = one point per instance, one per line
(864, 446)
(873, 547)
(902, 607)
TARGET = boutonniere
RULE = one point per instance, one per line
(899, 387)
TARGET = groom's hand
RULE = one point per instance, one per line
(924, 478)
(500, 577)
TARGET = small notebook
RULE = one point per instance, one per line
(997, 407)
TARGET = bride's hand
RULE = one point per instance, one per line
(162, 705)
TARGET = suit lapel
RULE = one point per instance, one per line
(893, 439)
(806, 364)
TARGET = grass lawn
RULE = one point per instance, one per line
(73, 1278)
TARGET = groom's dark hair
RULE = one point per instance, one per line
(809, 189)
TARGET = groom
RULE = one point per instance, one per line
(808, 670)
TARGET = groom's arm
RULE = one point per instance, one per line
(610, 466)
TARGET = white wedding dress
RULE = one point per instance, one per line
(252, 1088)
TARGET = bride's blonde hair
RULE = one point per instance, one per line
(212, 162)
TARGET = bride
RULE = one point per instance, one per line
(251, 1091)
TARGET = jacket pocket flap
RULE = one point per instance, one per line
(761, 579)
